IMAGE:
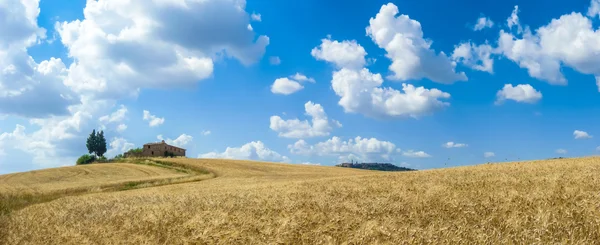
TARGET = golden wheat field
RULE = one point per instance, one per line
(86, 176)
(245, 202)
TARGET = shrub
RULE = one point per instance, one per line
(169, 154)
(136, 150)
(102, 159)
(86, 159)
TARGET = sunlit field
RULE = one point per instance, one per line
(245, 202)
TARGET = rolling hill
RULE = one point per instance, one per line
(246, 202)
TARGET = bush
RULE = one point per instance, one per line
(136, 150)
(169, 154)
(86, 159)
(102, 159)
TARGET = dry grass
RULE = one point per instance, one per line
(539, 202)
(85, 176)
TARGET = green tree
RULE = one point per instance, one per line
(101, 144)
(91, 142)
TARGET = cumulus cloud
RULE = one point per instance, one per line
(482, 23)
(119, 146)
(569, 40)
(206, 132)
(578, 134)
(115, 118)
(56, 140)
(180, 141)
(360, 91)
(28, 88)
(489, 154)
(302, 78)
(523, 93)
(320, 125)
(255, 150)
(594, 9)
(123, 46)
(256, 17)
(347, 54)
(285, 86)
(451, 144)
(122, 127)
(415, 154)
(513, 20)
(363, 149)
(411, 54)
(561, 151)
(153, 120)
(274, 60)
(477, 57)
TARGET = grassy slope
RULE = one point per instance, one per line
(86, 176)
(254, 202)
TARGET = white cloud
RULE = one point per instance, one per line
(117, 116)
(302, 78)
(181, 141)
(475, 57)
(122, 127)
(118, 146)
(56, 140)
(578, 134)
(523, 93)
(482, 23)
(411, 54)
(513, 20)
(561, 151)
(363, 149)
(153, 120)
(28, 88)
(347, 54)
(360, 92)
(274, 60)
(451, 144)
(294, 128)
(415, 154)
(206, 132)
(570, 40)
(123, 46)
(598, 148)
(594, 9)
(489, 154)
(114, 118)
(285, 86)
(256, 17)
(254, 150)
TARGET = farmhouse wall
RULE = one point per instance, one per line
(159, 149)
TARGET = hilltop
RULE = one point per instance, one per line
(246, 202)
(374, 166)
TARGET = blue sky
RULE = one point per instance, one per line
(463, 83)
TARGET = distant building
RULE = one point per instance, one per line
(161, 149)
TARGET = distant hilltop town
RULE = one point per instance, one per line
(374, 166)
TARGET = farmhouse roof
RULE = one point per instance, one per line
(161, 143)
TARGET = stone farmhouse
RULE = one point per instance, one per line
(161, 149)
